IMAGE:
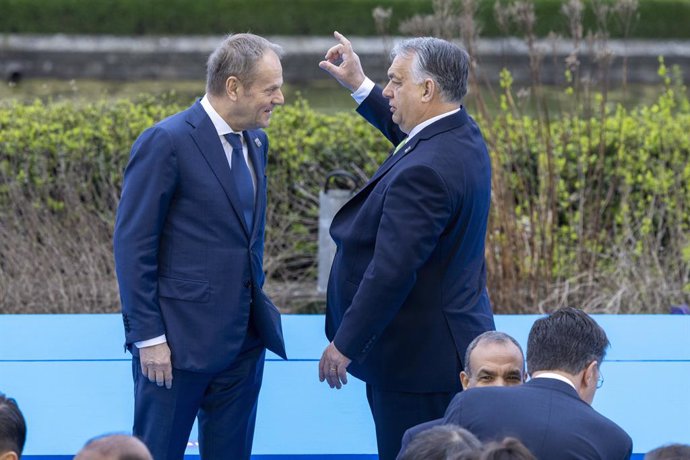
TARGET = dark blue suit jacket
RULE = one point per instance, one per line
(547, 415)
(407, 289)
(186, 263)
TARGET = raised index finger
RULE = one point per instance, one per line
(344, 41)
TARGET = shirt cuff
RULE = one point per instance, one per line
(363, 91)
(151, 342)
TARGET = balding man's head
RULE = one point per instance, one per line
(493, 359)
(114, 447)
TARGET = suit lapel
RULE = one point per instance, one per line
(255, 149)
(454, 121)
(208, 142)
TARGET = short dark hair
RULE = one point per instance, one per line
(443, 442)
(237, 55)
(445, 63)
(508, 449)
(490, 337)
(12, 426)
(567, 340)
(669, 452)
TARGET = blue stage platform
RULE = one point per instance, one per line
(73, 381)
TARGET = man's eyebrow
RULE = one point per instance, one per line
(485, 371)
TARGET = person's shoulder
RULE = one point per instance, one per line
(611, 429)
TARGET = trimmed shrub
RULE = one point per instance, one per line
(662, 18)
(591, 209)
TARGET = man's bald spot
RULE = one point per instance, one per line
(114, 447)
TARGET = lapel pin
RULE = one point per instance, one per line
(408, 149)
(257, 142)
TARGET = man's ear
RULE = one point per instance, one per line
(232, 87)
(589, 377)
(464, 380)
(429, 90)
(11, 455)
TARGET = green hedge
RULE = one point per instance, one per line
(601, 200)
(658, 18)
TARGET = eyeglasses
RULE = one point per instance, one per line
(600, 380)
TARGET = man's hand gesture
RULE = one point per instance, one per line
(343, 64)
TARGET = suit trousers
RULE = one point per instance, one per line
(395, 411)
(225, 403)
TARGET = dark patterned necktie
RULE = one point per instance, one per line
(242, 177)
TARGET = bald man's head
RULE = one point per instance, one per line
(114, 447)
(493, 359)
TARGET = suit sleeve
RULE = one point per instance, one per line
(148, 187)
(375, 110)
(416, 209)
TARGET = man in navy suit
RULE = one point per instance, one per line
(552, 413)
(188, 243)
(407, 289)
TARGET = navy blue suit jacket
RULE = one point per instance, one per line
(186, 263)
(407, 289)
(547, 415)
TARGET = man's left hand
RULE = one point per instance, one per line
(333, 367)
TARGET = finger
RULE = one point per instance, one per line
(344, 41)
(330, 68)
(334, 52)
(322, 373)
(168, 378)
(333, 379)
(160, 378)
(342, 374)
(150, 373)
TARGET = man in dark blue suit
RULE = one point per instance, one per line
(551, 414)
(407, 289)
(188, 243)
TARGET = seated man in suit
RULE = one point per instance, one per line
(492, 359)
(114, 447)
(12, 429)
(551, 414)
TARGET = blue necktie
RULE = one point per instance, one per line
(242, 177)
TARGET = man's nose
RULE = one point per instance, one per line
(279, 99)
(388, 92)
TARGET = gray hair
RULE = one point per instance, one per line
(445, 63)
(443, 442)
(490, 337)
(236, 56)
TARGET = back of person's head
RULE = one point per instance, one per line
(443, 442)
(508, 449)
(566, 340)
(12, 429)
(114, 447)
(669, 452)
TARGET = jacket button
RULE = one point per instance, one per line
(248, 284)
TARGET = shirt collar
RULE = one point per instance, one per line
(553, 375)
(431, 120)
(221, 125)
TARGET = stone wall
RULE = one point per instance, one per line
(184, 58)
